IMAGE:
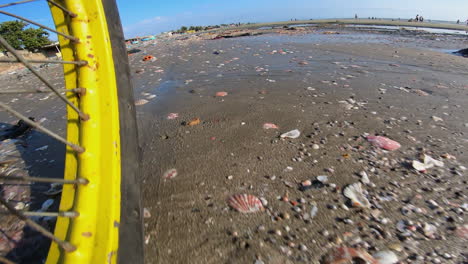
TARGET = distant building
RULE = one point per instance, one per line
(52, 50)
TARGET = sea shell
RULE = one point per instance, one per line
(291, 134)
(169, 174)
(270, 126)
(344, 255)
(245, 203)
(386, 257)
(172, 116)
(220, 94)
(194, 122)
(383, 142)
(355, 193)
(322, 178)
(141, 102)
(428, 162)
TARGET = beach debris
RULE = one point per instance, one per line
(322, 178)
(170, 174)
(245, 203)
(150, 96)
(383, 142)
(291, 134)
(194, 122)
(141, 102)
(146, 213)
(429, 230)
(42, 148)
(172, 116)
(55, 188)
(270, 126)
(343, 255)
(364, 177)
(386, 257)
(149, 58)
(462, 231)
(427, 163)
(220, 94)
(313, 211)
(17, 130)
(355, 193)
(437, 119)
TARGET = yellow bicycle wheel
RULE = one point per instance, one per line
(100, 220)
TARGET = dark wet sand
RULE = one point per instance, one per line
(393, 84)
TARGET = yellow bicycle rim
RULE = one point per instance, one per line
(95, 231)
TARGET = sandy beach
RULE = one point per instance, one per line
(336, 85)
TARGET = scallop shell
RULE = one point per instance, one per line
(356, 194)
(169, 174)
(383, 142)
(291, 134)
(245, 203)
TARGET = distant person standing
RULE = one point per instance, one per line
(417, 18)
(355, 16)
(458, 21)
(421, 19)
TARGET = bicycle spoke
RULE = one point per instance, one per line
(21, 178)
(5, 260)
(82, 115)
(68, 12)
(42, 26)
(68, 214)
(79, 63)
(41, 128)
(63, 244)
(17, 3)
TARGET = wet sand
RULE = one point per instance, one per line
(333, 88)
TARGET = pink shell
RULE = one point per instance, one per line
(270, 126)
(172, 116)
(383, 142)
(169, 174)
(221, 93)
(245, 203)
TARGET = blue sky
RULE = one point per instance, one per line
(143, 17)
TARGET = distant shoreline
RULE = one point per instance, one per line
(383, 22)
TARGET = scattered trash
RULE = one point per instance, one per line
(270, 126)
(194, 122)
(245, 203)
(170, 174)
(386, 257)
(428, 162)
(146, 213)
(437, 119)
(172, 116)
(221, 94)
(355, 193)
(42, 148)
(383, 142)
(291, 134)
(17, 130)
(141, 102)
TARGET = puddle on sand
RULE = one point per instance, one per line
(428, 30)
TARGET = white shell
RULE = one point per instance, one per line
(386, 257)
(428, 162)
(322, 178)
(364, 177)
(291, 134)
(356, 194)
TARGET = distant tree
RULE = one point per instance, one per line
(183, 29)
(20, 37)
